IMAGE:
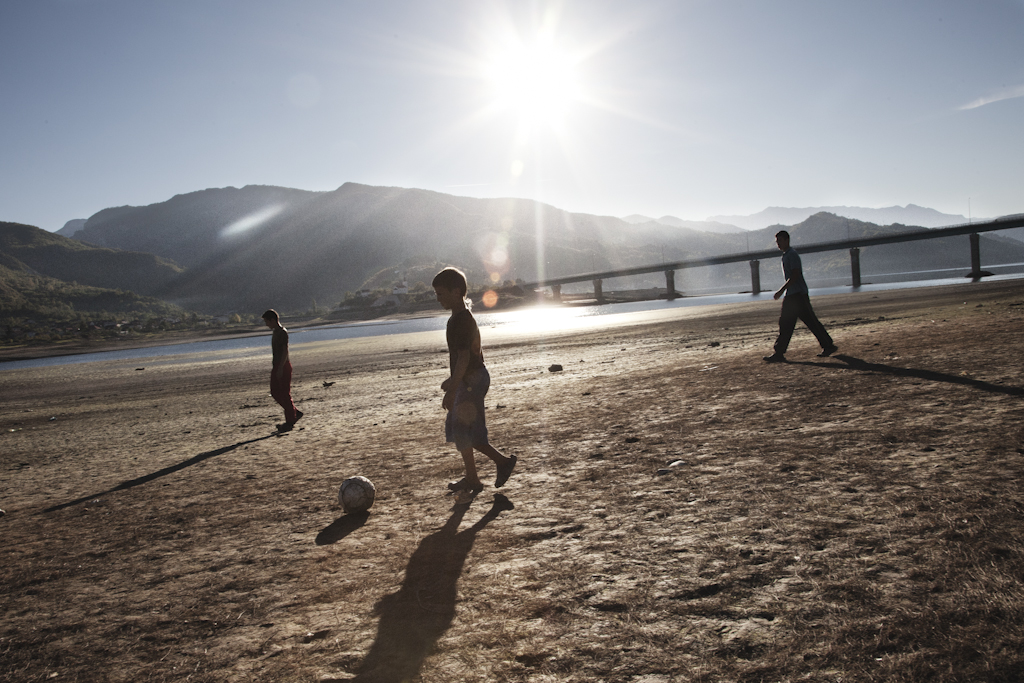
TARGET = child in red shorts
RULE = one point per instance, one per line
(281, 374)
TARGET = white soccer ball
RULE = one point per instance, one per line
(356, 494)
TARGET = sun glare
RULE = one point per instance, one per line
(538, 81)
(253, 220)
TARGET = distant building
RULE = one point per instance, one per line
(387, 300)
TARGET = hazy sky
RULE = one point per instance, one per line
(688, 108)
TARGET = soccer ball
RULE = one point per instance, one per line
(356, 494)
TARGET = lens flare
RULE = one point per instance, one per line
(493, 250)
(253, 220)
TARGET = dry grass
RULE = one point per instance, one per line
(683, 511)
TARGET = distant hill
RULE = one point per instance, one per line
(705, 226)
(37, 251)
(29, 296)
(258, 246)
(251, 248)
(189, 228)
(71, 227)
(905, 215)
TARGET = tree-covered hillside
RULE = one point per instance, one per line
(28, 296)
(32, 249)
(35, 305)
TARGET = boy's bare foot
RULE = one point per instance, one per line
(463, 485)
(505, 471)
(466, 496)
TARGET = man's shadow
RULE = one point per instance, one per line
(929, 375)
(159, 473)
(412, 619)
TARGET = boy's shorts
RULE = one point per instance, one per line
(466, 425)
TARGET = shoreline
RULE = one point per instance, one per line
(84, 347)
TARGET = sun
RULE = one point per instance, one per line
(537, 80)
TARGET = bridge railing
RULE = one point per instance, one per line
(973, 230)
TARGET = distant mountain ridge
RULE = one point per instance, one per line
(35, 251)
(188, 227)
(71, 227)
(245, 248)
(47, 276)
(256, 247)
(706, 226)
(904, 215)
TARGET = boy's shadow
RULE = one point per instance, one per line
(156, 475)
(412, 619)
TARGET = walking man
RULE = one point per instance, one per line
(796, 305)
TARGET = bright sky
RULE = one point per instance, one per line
(689, 108)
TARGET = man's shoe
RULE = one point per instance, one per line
(285, 427)
(775, 358)
(825, 353)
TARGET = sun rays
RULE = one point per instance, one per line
(536, 80)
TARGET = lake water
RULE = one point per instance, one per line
(528, 320)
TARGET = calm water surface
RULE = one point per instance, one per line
(528, 320)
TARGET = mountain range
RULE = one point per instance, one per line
(904, 215)
(71, 227)
(47, 276)
(28, 249)
(247, 249)
(706, 226)
(244, 248)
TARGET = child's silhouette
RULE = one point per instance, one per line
(466, 387)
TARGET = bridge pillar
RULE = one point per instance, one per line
(855, 265)
(975, 256)
(670, 284)
(556, 293)
(755, 276)
(598, 291)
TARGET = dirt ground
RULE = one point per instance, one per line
(682, 511)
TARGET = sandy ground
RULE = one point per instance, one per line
(682, 511)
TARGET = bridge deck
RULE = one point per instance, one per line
(1004, 223)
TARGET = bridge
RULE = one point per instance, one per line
(973, 230)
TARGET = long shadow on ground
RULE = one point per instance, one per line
(852, 363)
(412, 619)
(159, 473)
